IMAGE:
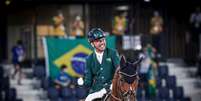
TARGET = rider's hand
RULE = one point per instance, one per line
(111, 87)
(80, 81)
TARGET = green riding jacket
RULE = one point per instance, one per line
(98, 76)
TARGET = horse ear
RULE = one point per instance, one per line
(123, 60)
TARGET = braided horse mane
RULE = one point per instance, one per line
(125, 81)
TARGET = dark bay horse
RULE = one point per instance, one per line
(125, 82)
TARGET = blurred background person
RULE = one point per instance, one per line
(63, 79)
(18, 56)
(148, 71)
(156, 30)
(78, 27)
(195, 23)
(58, 27)
(120, 24)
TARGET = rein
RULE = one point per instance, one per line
(116, 98)
(127, 74)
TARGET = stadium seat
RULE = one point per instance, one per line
(158, 82)
(47, 83)
(58, 99)
(186, 99)
(171, 82)
(157, 98)
(163, 93)
(170, 99)
(80, 92)
(139, 93)
(66, 93)
(10, 94)
(178, 93)
(71, 99)
(160, 99)
(163, 71)
(142, 99)
(53, 94)
(39, 72)
(18, 100)
(6, 83)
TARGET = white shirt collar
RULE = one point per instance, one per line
(99, 56)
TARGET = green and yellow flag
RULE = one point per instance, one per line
(69, 52)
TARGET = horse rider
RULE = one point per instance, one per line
(100, 65)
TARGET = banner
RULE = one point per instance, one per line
(132, 42)
(69, 52)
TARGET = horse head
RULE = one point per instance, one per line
(126, 80)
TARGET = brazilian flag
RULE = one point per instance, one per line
(69, 52)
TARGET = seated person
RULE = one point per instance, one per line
(63, 79)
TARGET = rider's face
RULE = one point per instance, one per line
(99, 44)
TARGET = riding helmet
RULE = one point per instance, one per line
(95, 33)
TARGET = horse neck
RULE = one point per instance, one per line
(115, 86)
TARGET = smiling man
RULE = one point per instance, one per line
(101, 64)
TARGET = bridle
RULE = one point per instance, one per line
(131, 91)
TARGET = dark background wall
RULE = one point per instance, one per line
(2, 32)
(175, 13)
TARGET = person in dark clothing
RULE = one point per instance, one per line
(18, 56)
(195, 25)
